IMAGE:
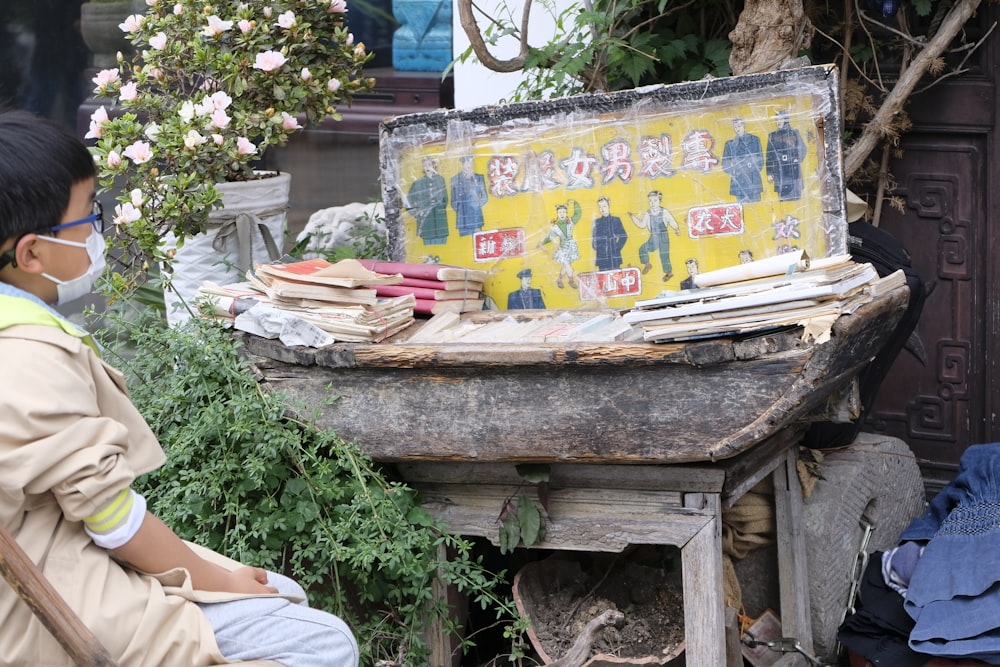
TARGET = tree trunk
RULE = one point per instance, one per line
(768, 34)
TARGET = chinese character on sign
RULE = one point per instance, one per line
(606, 284)
(697, 147)
(539, 172)
(502, 170)
(655, 155)
(579, 167)
(617, 156)
(722, 220)
(498, 244)
(787, 228)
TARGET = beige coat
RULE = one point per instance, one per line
(70, 439)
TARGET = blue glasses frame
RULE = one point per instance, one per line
(96, 218)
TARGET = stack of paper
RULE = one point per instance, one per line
(336, 298)
(438, 288)
(817, 294)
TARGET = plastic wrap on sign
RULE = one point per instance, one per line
(605, 199)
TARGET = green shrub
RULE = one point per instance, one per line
(245, 478)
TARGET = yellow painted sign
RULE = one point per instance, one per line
(603, 200)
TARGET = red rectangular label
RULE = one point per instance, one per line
(498, 244)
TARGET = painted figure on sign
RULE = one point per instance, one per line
(527, 296)
(785, 152)
(656, 220)
(468, 196)
(561, 231)
(427, 202)
(743, 159)
(608, 237)
(692, 268)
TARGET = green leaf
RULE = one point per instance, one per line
(529, 520)
(533, 472)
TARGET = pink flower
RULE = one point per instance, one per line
(152, 3)
(178, 9)
(187, 110)
(105, 78)
(244, 26)
(139, 152)
(218, 139)
(114, 159)
(306, 74)
(126, 213)
(97, 121)
(219, 119)
(269, 61)
(333, 85)
(132, 23)
(158, 41)
(129, 91)
(289, 122)
(337, 7)
(287, 20)
(216, 26)
(192, 139)
(245, 147)
(267, 11)
(220, 100)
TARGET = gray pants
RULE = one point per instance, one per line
(294, 635)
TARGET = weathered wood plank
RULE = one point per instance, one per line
(793, 575)
(680, 478)
(704, 609)
(581, 520)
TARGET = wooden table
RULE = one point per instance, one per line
(601, 507)
(646, 443)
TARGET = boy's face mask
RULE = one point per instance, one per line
(71, 290)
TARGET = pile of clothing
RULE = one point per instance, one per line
(937, 594)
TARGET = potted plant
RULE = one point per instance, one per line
(211, 87)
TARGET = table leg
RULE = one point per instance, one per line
(793, 576)
(704, 608)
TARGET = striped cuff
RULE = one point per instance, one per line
(118, 521)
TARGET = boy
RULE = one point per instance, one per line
(71, 443)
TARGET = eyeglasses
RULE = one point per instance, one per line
(96, 218)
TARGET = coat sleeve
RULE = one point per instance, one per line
(54, 437)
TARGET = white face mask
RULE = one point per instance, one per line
(71, 290)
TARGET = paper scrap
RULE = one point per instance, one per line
(269, 322)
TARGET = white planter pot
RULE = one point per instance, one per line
(248, 230)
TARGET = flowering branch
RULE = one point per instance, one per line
(211, 87)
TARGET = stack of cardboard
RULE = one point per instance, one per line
(339, 299)
(812, 295)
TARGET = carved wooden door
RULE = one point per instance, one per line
(943, 392)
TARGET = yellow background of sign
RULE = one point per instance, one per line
(765, 222)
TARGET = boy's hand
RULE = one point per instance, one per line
(251, 580)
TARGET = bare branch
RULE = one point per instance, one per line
(875, 129)
(479, 46)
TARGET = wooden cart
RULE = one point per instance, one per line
(646, 443)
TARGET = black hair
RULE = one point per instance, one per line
(40, 162)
